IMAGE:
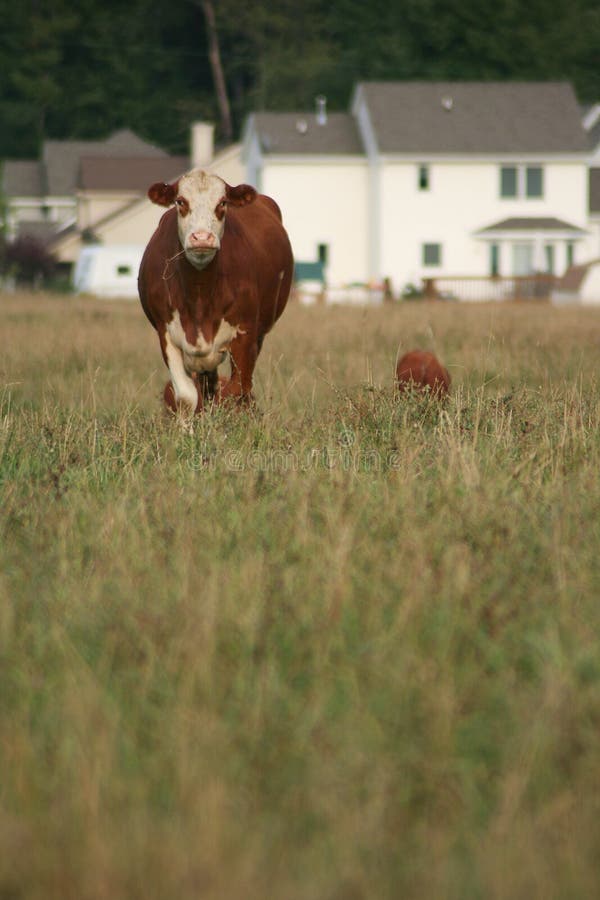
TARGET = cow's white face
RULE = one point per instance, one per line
(201, 204)
(201, 200)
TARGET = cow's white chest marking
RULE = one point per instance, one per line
(203, 355)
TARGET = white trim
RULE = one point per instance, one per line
(529, 235)
(313, 159)
(39, 202)
(591, 117)
(486, 159)
(360, 111)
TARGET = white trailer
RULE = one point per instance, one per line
(108, 271)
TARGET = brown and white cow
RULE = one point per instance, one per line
(214, 278)
(423, 370)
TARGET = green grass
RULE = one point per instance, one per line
(340, 647)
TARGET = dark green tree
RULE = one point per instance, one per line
(82, 70)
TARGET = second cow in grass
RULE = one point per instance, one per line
(422, 370)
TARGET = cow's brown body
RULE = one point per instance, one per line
(422, 370)
(229, 305)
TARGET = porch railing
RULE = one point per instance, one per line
(500, 287)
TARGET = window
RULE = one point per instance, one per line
(323, 253)
(432, 254)
(423, 178)
(522, 181)
(549, 258)
(494, 260)
(534, 181)
(570, 253)
(123, 270)
(508, 181)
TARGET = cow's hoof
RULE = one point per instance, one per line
(233, 396)
(177, 406)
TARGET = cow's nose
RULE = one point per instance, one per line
(201, 239)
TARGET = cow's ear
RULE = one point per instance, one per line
(241, 195)
(163, 194)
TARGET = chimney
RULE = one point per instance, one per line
(321, 105)
(202, 148)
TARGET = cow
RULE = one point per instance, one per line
(214, 278)
(423, 370)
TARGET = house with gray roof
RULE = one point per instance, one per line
(314, 164)
(42, 196)
(114, 218)
(93, 193)
(431, 179)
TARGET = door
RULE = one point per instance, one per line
(522, 258)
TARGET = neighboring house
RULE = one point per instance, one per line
(93, 193)
(44, 190)
(591, 123)
(594, 208)
(107, 195)
(581, 283)
(109, 266)
(116, 214)
(431, 179)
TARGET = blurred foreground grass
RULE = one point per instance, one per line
(340, 648)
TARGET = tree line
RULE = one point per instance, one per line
(83, 70)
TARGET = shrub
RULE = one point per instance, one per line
(28, 260)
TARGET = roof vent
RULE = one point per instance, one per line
(301, 126)
(447, 103)
(321, 109)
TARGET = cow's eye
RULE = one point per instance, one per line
(182, 205)
(221, 207)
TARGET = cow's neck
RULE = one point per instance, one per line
(198, 284)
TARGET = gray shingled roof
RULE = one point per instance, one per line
(299, 133)
(475, 117)
(61, 158)
(531, 223)
(595, 190)
(102, 173)
(126, 143)
(22, 178)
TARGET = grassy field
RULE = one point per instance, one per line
(337, 648)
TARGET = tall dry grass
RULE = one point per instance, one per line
(340, 647)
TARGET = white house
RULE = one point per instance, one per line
(315, 167)
(430, 180)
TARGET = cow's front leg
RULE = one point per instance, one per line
(243, 353)
(181, 393)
